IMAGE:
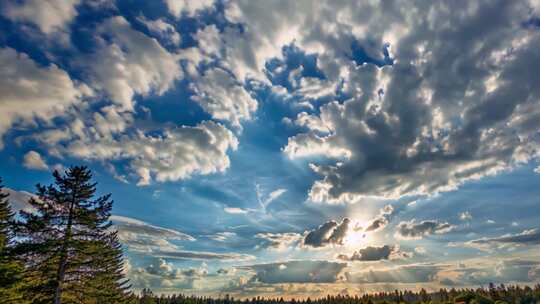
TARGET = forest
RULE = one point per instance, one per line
(66, 251)
(492, 295)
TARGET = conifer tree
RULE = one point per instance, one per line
(10, 268)
(68, 248)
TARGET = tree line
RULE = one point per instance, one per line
(64, 250)
(492, 295)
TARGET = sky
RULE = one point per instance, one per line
(287, 148)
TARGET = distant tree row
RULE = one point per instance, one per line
(492, 295)
(63, 251)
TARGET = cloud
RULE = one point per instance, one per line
(401, 274)
(175, 154)
(381, 220)
(235, 210)
(498, 272)
(529, 237)
(328, 233)
(279, 240)
(33, 160)
(45, 91)
(304, 271)
(161, 274)
(222, 236)
(130, 229)
(18, 200)
(415, 125)
(417, 230)
(162, 29)
(373, 253)
(465, 216)
(129, 63)
(48, 15)
(179, 7)
(223, 97)
(201, 255)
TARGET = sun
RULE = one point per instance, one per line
(356, 237)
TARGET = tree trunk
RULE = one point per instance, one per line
(63, 256)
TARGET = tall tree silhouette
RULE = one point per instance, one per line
(10, 268)
(67, 245)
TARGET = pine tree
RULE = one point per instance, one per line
(67, 245)
(11, 269)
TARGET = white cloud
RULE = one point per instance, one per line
(162, 29)
(33, 160)
(178, 7)
(279, 240)
(235, 210)
(130, 228)
(175, 154)
(465, 216)
(130, 63)
(30, 92)
(49, 15)
(223, 97)
(417, 127)
(18, 200)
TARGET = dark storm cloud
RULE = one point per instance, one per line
(328, 233)
(305, 271)
(417, 230)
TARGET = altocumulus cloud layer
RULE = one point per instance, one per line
(251, 146)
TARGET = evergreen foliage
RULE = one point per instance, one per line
(492, 295)
(70, 253)
(11, 269)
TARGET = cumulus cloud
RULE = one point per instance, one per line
(30, 92)
(304, 271)
(175, 154)
(162, 274)
(33, 160)
(179, 7)
(162, 29)
(417, 230)
(328, 233)
(373, 253)
(381, 220)
(223, 97)
(48, 15)
(129, 63)
(417, 125)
